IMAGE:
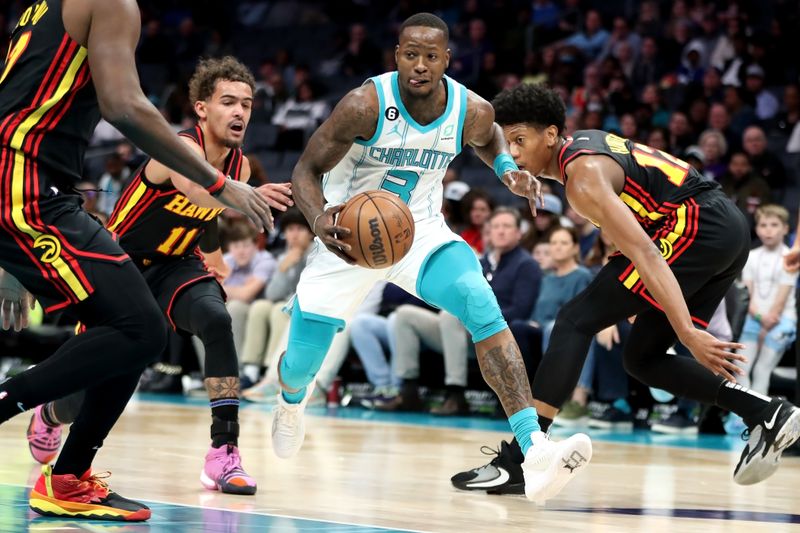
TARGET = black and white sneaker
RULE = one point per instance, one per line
(766, 441)
(612, 418)
(502, 475)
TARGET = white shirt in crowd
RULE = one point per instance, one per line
(765, 270)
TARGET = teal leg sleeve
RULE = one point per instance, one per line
(310, 337)
(451, 278)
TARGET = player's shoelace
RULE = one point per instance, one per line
(49, 439)
(287, 421)
(90, 490)
(233, 465)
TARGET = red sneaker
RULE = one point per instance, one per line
(87, 497)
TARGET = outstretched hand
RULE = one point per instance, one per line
(16, 301)
(247, 200)
(522, 183)
(277, 195)
(714, 354)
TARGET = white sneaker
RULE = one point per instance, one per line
(549, 465)
(288, 426)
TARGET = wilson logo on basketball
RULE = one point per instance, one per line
(376, 247)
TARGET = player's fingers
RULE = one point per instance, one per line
(340, 230)
(539, 192)
(280, 202)
(733, 368)
(332, 210)
(31, 301)
(725, 374)
(342, 255)
(255, 218)
(532, 204)
(615, 336)
(735, 356)
(20, 316)
(339, 244)
(262, 208)
(7, 310)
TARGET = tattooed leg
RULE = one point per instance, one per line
(221, 388)
(504, 370)
(223, 394)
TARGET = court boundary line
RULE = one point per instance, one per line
(240, 511)
(482, 430)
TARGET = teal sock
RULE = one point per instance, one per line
(294, 397)
(523, 423)
(622, 405)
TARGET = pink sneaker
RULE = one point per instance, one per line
(224, 472)
(44, 440)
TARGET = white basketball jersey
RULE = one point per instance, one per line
(402, 157)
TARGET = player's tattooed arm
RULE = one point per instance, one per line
(354, 117)
(218, 388)
(481, 131)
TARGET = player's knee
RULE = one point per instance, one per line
(212, 323)
(146, 328)
(575, 313)
(635, 364)
(479, 310)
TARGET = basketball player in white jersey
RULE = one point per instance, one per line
(398, 132)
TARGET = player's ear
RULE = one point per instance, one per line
(200, 109)
(447, 59)
(396, 53)
(551, 135)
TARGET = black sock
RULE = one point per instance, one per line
(225, 426)
(516, 451)
(455, 390)
(410, 388)
(740, 400)
(545, 423)
(48, 416)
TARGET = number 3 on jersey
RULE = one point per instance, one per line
(673, 168)
(401, 182)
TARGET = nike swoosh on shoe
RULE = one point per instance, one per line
(500, 480)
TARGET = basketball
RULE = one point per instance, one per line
(382, 229)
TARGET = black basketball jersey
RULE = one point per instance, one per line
(655, 182)
(48, 105)
(156, 221)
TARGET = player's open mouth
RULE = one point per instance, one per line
(237, 127)
(417, 83)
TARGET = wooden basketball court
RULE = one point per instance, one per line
(363, 471)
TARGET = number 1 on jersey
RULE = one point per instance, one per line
(168, 246)
(15, 50)
(402, 183)
(675, 169)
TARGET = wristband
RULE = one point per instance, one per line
(503, 163)
(216, 189)
(314, 224)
